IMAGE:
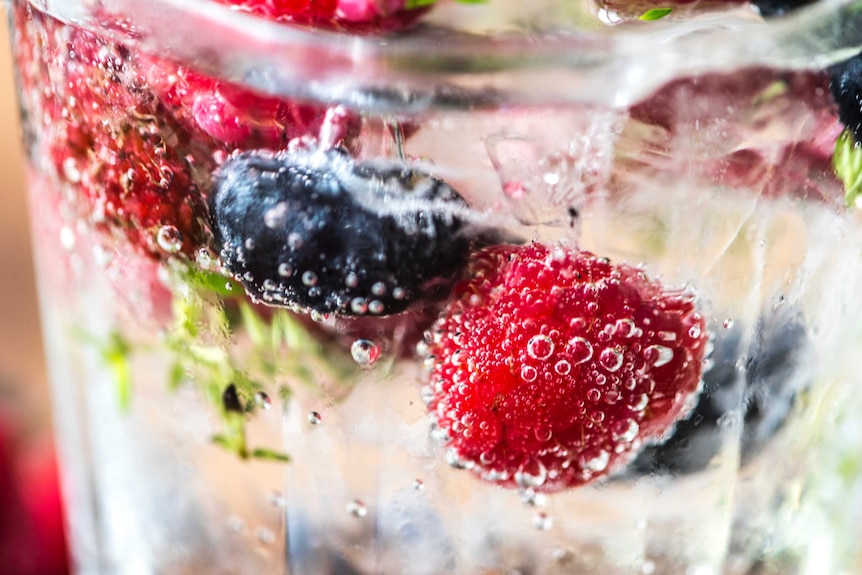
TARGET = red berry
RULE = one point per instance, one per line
(357, 16)
(552, 366)
(779, 142)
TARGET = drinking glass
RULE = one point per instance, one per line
(215, 419)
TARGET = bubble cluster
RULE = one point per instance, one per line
(552, 366)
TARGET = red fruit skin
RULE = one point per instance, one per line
(519, 396)
(354, 16)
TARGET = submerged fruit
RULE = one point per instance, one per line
(846, 87)
(362, 16)
(762, 384)
(551, 365)
(317, 230)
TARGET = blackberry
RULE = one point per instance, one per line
(763, 387)
(318, 230)
(770, 8)
(846, 87)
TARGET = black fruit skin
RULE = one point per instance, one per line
(320, 231)
(762, 385)
(846, 87)
(770, 8)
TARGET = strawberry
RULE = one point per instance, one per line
(551, 366)
(356, 16)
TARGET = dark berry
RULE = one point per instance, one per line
(770, 8)
(764, 383)
(317, 230)
(846, 87)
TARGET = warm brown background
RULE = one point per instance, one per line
(22, 374)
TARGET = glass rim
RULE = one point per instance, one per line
(437, 68)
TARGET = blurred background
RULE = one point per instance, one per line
(20, 347)
(31, 537)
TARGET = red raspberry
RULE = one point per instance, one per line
(552, 366)
(357, 16)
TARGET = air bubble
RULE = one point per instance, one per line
(542, 521)
(262, 400)
(364, 352)
(487, 457)
(543, 433)
(694, 331)
(727, 324)
(418, 485)
(276, 216)
(358, 305)
(235, 524)
(533, 477)
(169, 239)
(540, 347)
(563, 367)
(624, 328)
(376, 307)
(580, 350)
(641, 403)
(264, 535)
(529, 373)
(67, 238)
(204, 258)
(658, 355)
(309, 279)
(598, 463)
(533, 499)
(351, 280)
(314, 418)
(626, 431)
(611, 359)
(357, 508)
(277, 499)
(455, 461)
(594, 395)
(378, 289)
(285, 270)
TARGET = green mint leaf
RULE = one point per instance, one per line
(847, 162)
(212, 282)
(655, 14)
(116, 355)
(270, 455)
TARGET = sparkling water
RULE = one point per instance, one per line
(204, 432)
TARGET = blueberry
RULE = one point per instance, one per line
(846, 87)
(318, 230)
(762, 384)
(770, 8)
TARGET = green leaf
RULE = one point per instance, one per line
(212, 282)
(655, 14)
(847, 162)
(116, 356)
(270, 455)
